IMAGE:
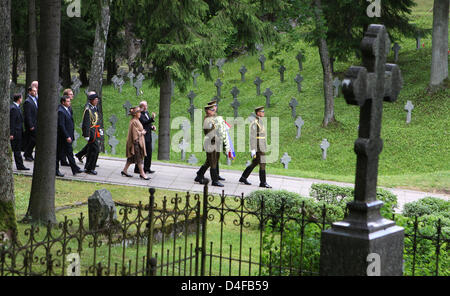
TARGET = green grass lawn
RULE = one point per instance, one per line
(414, 155)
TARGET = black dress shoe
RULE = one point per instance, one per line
(58, 174)
(265, 185)
(78, 172)
(23, 169)
(80, 159)
(243, 180)
(140, 176)
(29, 158)
(217, 183)
(125, 174)
(91, 172)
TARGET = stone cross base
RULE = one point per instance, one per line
(345, 250)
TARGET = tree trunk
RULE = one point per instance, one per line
(32, 54)
(439, 58)
(15, 63)
(327, 72)
(98, 61)
(42, 199)
(165, 91)
(64, 71)
(7, 215)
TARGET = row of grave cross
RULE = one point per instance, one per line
(119, 82)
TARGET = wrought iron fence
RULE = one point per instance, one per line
(200, 234)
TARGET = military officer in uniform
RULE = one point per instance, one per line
(211, 146)
(258, 149)
(92, 134)
(214, 103)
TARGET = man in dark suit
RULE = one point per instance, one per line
(16, 131)
(147, 123)
(66, 136)
(30, 110)
(69, 93)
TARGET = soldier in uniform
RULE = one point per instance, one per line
(258, 150)
(214, 103)
(92, 134)
(211, 146)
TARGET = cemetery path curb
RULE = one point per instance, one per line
(180, 177)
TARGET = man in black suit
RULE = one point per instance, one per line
(62, 157)
(65, 136)
(30, 110)
(16, 131)
(147, 123)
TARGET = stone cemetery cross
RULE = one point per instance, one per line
(396, 48)
(235, 106)
(191, 97)
(243, 70)
(285, 160)
(259, 47)
(324, 146)
(138, 84)
(299, 124)
(120, 83)
(121, 72)
(114, 79)
(192, 159)
(336, 84)
(113, 120)
(293, 104)
(194, 76)
(130, 76)
(183, 146)
(262, 60)
(258, 82)
(127, 106)
(299, 58)
(282, 69)
(268, 93)
(113, 142)
(298, 79)
(191, 111)
(218, 84)
(349, 246)
(220, 63)
(408, 107)
(235, 92)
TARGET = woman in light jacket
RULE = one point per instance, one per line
(135, 144)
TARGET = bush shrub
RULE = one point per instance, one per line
(340, 196)
(427, 206)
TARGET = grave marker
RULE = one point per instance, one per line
(408, 108)
(298, 79)
(138, 83)
(285, 160)
(268, 93)
(127, 106)
(258, 82)
(396, 48)
(235, 106)
(131, 76)
(262, 60)
(324, 146)
(191, 97)
(194, 76)
(192, 159)
(336, 84)
(282, 69)
(243, 70)
(299, 124)
(235, 92)
(218, 84)
(293, 104)
(299, 58)
(346, 246)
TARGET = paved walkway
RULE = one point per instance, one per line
(181, 177)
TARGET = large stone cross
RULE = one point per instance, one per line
(346, 247)
(127, 106)
(235, 106)
(299, 58)
(235, 92)
(282, 69)
(131, 76)
(285, 160)
(298, 79)
(138, 83)
(299, 124)
(293, 104)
